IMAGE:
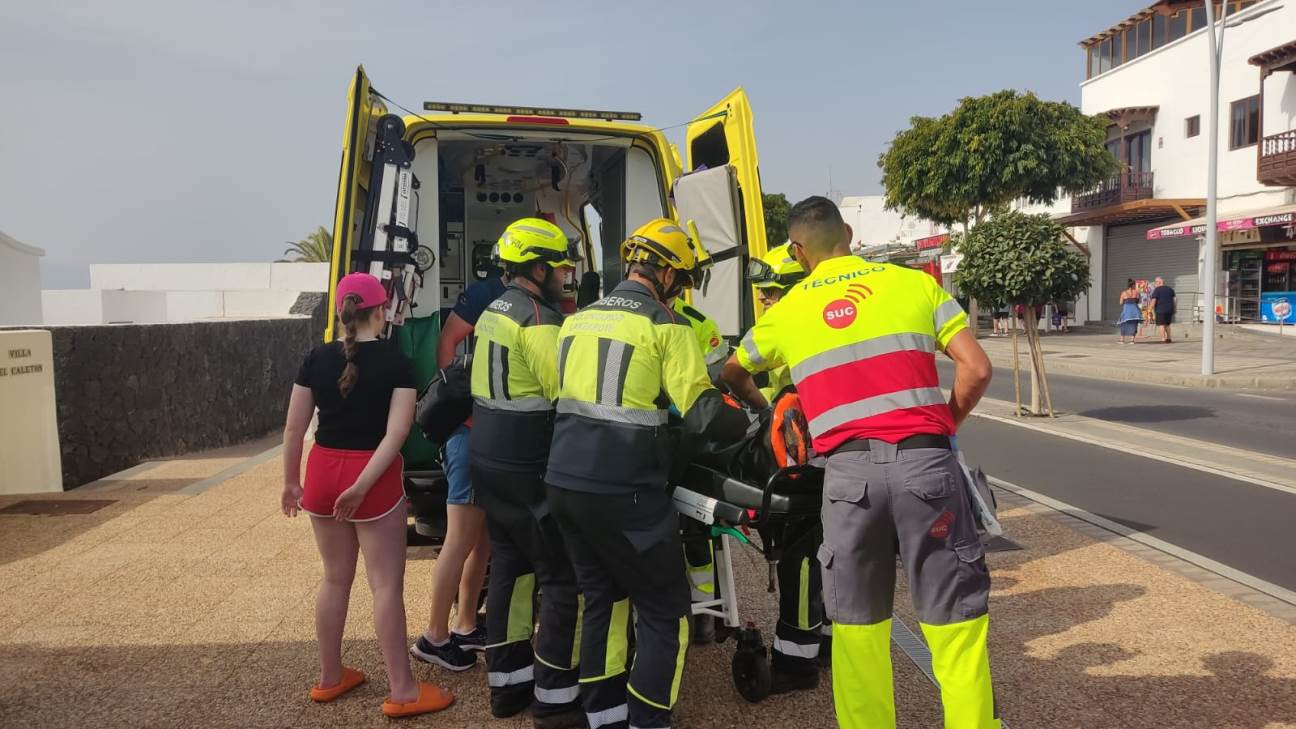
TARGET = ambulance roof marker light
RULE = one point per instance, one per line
(532, 111)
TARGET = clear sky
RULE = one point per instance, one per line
(170, 130)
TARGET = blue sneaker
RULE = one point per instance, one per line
(447, 655)
(474, 641)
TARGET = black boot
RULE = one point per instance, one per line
(783, 681)
(505, 704)
(704, 630)
(565, 716)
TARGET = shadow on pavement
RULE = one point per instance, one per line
(1149, 414)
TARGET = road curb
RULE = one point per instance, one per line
(1135, 374)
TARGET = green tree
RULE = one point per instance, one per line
(1019, 259)
(990, 151)
(777, 208)
(314, 248)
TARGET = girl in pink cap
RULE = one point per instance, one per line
(364, 389)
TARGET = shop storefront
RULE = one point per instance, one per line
(1257, 279)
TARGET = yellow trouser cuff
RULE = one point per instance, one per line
(962, 667)
(861, 672)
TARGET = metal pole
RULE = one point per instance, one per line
(1210, 254)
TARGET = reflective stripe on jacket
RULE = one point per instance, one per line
(622, 361)
(515, 379)
(860, 339)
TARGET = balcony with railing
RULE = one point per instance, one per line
(1277, 163)
(1124, 187)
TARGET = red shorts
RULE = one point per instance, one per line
(330, 471)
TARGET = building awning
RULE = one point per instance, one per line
(1242, 220)
(1279, 58)
(1135, 211)
(1124, 116)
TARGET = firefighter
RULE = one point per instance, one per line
(622, 362)
(802, 639)
(698, 552)
(514, 386)
(772, 275)
(860, 339)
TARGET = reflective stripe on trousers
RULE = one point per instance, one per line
(873, 501)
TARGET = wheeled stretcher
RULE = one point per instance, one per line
(779, 510)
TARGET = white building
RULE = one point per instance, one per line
(873, 225)
(156, 293)
(20, 296)
(1149, 75)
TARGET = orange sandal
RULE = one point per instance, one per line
(350, 679)
(431, 698)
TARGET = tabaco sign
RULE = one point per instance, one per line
(1176, 231)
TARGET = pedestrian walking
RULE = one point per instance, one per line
(1164, 303)
(353, 491)
(1002, 321)
(860, 339)
(1131, 318)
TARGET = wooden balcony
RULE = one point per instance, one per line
(1277, 159)
(1123, 188)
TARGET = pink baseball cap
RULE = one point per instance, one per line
(368, 288)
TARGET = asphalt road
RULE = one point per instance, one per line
(1239, 524)
(1265, 423)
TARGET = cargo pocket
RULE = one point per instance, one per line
(848, 490)
(931, 486)
(973, 580)
(825, 557)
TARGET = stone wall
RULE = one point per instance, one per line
(129, 393)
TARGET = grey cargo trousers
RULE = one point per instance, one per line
(884, 500)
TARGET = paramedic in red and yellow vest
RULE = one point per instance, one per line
(861, 341)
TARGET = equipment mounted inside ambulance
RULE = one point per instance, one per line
(422, 198)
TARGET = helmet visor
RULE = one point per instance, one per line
(759, 272)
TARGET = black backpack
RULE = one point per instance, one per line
(447, 401)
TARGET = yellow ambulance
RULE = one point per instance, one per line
(422, 197)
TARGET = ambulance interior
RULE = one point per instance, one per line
(472, 185)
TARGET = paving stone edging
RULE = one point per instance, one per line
(1137, 374)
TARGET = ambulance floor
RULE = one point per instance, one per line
(188, 603)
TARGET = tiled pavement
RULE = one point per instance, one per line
(168, 609)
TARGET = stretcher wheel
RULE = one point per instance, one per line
(751, 668)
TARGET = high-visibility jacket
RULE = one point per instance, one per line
(622, 362)
(779, 378)
(715, 350)
(860, 339)
(515, 379)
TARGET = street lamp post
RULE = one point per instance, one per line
(1211, 242)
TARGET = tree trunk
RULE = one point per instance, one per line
(1016, 375)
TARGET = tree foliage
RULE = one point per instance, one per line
(777, 208)
(314, 248)
(1014, 258)
(990, 151)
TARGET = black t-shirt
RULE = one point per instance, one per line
(1165, 299)
(357, 422)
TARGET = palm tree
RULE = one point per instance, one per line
(314, 248)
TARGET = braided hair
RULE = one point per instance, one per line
(350, 314)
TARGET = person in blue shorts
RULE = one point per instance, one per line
(461, 566)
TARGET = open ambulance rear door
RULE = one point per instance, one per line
(720, 196)
(363, 109)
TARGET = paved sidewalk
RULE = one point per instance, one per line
(176, 606)
(1243, 359)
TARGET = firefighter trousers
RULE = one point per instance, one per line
(627, 553)
(527, 552)
(700, 556)
(798, 634)
(876, 501)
